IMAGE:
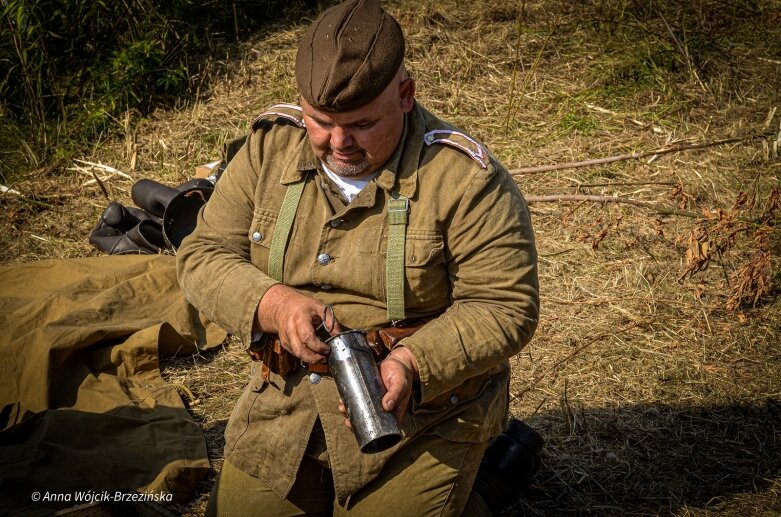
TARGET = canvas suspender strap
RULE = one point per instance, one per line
(398, 213)
(287, 214)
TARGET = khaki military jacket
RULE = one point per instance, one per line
(470, 256)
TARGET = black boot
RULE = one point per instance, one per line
(181, 214)
(509, 464)
(155, 197)
(152, 196)
(145, 238)
(195, 183)
(123, 218)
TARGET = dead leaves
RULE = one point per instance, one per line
(682, 198)
(719, 232)
(698, 252)
(753, 279)
(598, 230)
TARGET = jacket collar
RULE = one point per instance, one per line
(302, 161)
(401, 172)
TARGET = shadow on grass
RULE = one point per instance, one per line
(657, 459)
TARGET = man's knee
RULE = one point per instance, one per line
(431, 476)
(237, 493)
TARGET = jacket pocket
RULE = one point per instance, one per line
(260, 404)
(425, 270)
(468, 391)
(259, 234)
(472, 412)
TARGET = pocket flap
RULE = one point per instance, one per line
(423, 251)
(262, 228)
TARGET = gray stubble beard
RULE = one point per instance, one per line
(347, 170)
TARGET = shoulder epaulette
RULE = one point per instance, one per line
(460, 141)
(290, 112)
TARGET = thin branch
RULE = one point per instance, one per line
(7, 190)
(684, 50)
(624, 183)
(625, 200)
(640, 155)
(612, 199)
(101, 185)
(106, 168)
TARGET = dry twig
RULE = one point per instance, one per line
(7, 190)
(643, 154)
(106, 168)
(101, 185)
(612, 199)
(624, 200)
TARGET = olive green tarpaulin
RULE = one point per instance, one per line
(82, 404)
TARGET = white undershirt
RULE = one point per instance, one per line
(349, 187)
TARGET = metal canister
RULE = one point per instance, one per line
(355, 371)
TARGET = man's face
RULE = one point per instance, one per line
(354, 144)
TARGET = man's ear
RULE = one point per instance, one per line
(407, 94)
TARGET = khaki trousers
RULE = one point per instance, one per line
(432, 476)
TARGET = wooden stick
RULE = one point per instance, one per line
(624, 183)
(94, 181)
(625, 200)
(639, 155)
(7, 190)
(106, 168)
(612, 199)
(102, 186)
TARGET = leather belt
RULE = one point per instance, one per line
(277, 359)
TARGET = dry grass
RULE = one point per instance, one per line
(655, 374)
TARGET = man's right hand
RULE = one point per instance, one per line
(294, 317)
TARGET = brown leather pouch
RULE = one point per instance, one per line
(383, 340)
(274, 358)
(277, 359)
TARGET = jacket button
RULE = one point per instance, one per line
(257, 236)
(454, 399)
(323, 259)
(336, 223)
(314, 378)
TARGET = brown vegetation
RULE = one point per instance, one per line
(656, 368)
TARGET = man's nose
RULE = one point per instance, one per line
(341, 138)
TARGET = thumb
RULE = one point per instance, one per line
(394, 387)
(388, 402)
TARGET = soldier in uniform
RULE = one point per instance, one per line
(361, 200)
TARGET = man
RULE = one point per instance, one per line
(362, 201)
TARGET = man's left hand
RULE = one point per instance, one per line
(398, 372)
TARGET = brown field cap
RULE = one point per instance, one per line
(348, 56)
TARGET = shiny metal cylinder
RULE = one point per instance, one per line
(353, 367)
